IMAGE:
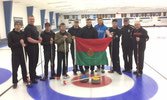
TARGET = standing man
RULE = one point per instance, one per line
(139, 44)
(62, 39)
(102, 30)
(32, 36)
(48, 42)
(16, 43)
(116, 33)
(75, 31)
(127, 46)
(88, 32)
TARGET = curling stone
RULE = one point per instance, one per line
(96, 80)
(84, 79)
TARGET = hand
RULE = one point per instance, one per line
(112, 33)
(64, 37)
(137, 39)
(23, 45)
(40, 39)
(21, 41)
(51, 40)
(73, 37)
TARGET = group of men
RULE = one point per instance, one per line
(133, 39)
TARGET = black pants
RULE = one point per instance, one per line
(75, 67)
(91, 68)
(16, 61)
(81, 69)
(115, 58)
(141, 58)
(127, 56)
(60, 58)
(102, 66)
(33, 53)
(48, 57)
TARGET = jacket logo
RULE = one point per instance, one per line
(137, 34)
(90, 52)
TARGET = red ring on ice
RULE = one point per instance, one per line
(105, 80)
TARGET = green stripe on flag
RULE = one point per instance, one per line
(98, 58)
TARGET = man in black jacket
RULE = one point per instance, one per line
(116, 33)
(32, 49)
(16, 43)
(75, 31)
(89, 32)
(140, 37)
(48, 42)
(127, 46)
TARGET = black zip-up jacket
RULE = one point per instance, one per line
(116, 36)
(126, 32)
(142, 34)
(46, 36)
(89, 33)
(74, 32)
(14, 42)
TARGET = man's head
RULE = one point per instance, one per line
(31, 20)
(89, 22)
(62, 27)
(100, 21)
(137, 25)
(76, 23)
(126, 21)
(17, 25)
(47, 26)
(114, 23)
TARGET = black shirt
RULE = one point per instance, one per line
(74, 32)
(31, 31)
(126, 32)
(142, 34)
(46, 36)
(14, 42)
(89, 33)
(116, 36)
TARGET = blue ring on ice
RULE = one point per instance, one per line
(4, 75)
(144, 88)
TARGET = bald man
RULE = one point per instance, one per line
(32, 49)
(139, 44)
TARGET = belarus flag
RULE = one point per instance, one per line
(91, 52)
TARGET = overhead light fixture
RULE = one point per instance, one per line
(58, 2)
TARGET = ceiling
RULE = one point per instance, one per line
(97, 6)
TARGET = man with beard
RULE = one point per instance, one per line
(89, 32)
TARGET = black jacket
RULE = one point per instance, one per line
(74, 32)
(126, 32)
(46, 36)
(116, 36)
(14, 42)
(89, 33)
(142, 34)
